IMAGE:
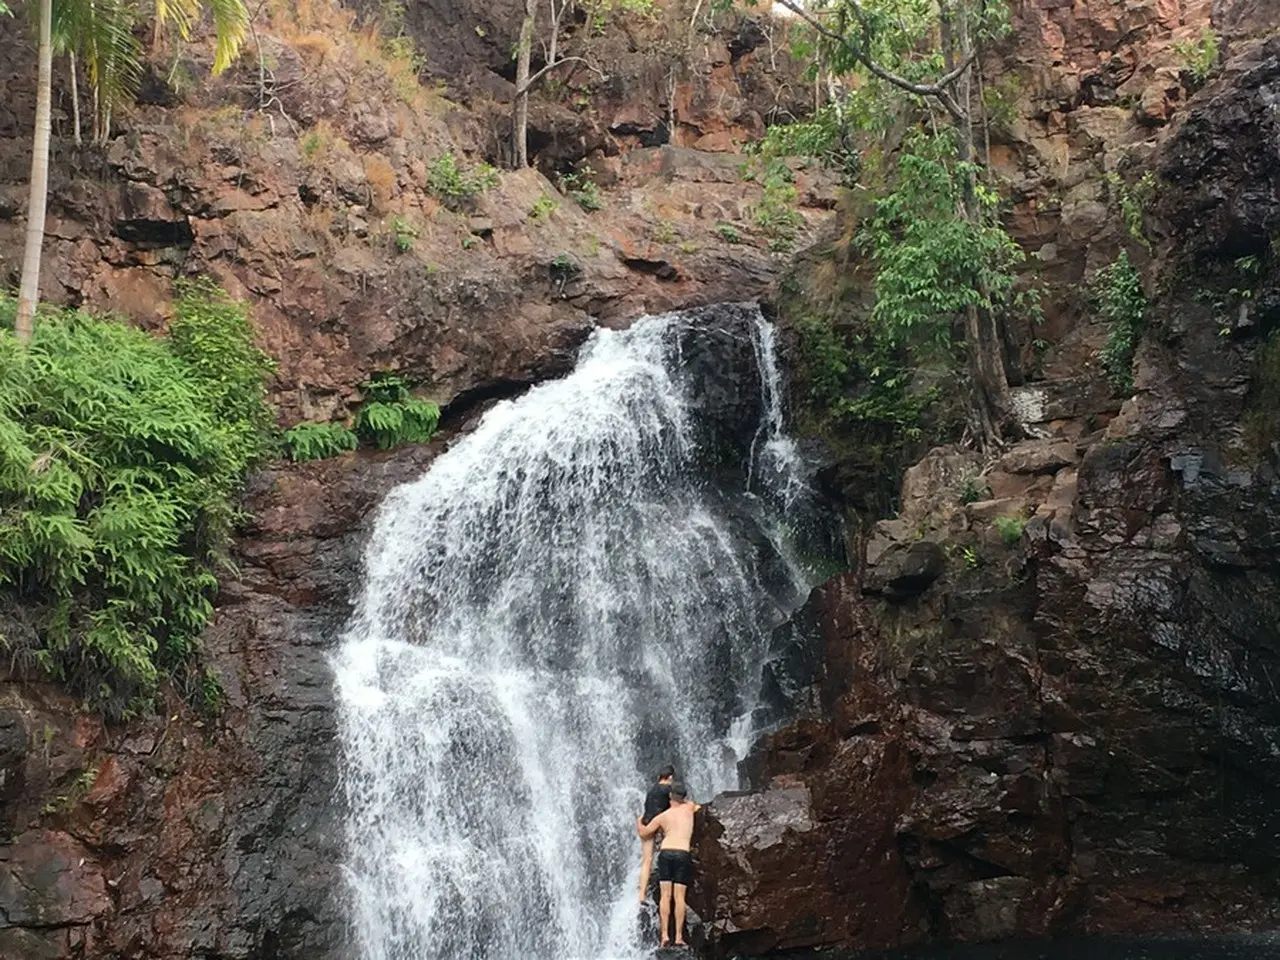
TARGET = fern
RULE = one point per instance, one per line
(318, 441)
(391, 416)
(120, 455)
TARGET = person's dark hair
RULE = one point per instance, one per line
(678, 791)
(666, 772)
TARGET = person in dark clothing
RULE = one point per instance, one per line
(655, 802)
(675, 862)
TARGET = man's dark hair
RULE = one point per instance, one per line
(666, 772)
(678, 791)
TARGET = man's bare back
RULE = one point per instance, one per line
(676, 824)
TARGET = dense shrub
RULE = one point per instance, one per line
(455, 186)
(1117, 290)
(120, 455)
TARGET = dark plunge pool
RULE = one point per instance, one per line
(1242, 947)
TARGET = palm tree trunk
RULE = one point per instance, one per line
(29, 291)
(75, 100)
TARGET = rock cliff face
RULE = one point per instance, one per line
(1062, 736)
(1074, 732)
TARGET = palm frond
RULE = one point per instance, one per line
(179, 14)
(231, 26)
(100, 33)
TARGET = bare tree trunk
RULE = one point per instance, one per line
(29, 292)
(554, 43)
(520, 131)
(75, 99)
(992, 403)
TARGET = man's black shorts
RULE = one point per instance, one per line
(675, 866)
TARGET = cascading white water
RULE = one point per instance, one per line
(561, 603)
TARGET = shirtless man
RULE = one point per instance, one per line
(655, 801)
(675, 862)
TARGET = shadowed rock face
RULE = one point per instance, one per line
(1083, 737)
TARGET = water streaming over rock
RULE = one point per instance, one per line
(578, 590)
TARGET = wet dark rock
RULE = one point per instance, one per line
(717, 351)
(905, 569)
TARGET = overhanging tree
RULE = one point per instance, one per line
(939, 246)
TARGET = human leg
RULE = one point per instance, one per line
(664, 912)
(646, 866)
(678, 891)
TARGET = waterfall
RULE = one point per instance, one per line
(580, 589)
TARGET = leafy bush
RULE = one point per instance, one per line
(1010, 529)
(1117, 289)
(453, 185)
(583, 190)
(1133, 202)
(543, 207)
(931, 265)
(973, 489)
(1200, 56)
(728, 233)
(318, 441)
(120, 454)
(403, 233)
(391, 416)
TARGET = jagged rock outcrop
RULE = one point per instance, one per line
(1075, 732)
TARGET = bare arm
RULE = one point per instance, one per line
(645, 831)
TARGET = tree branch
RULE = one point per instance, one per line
(551, 66)
(937, 89)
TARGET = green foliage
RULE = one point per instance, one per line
(543, 207)
(582, 189)
(214, 336)
(825, 136)
(1010, 529)
(973, 489)
(860, 383)
(728, 233)
(391, 416)
(403, 233)
(664, 231)
(1133, 202)
(932, 265)
(455, 186)
(313, 143)
(1199, 56)
(318, 441)
(120, 455)
(776, 214)
(1117, 290)
(1000, 100)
